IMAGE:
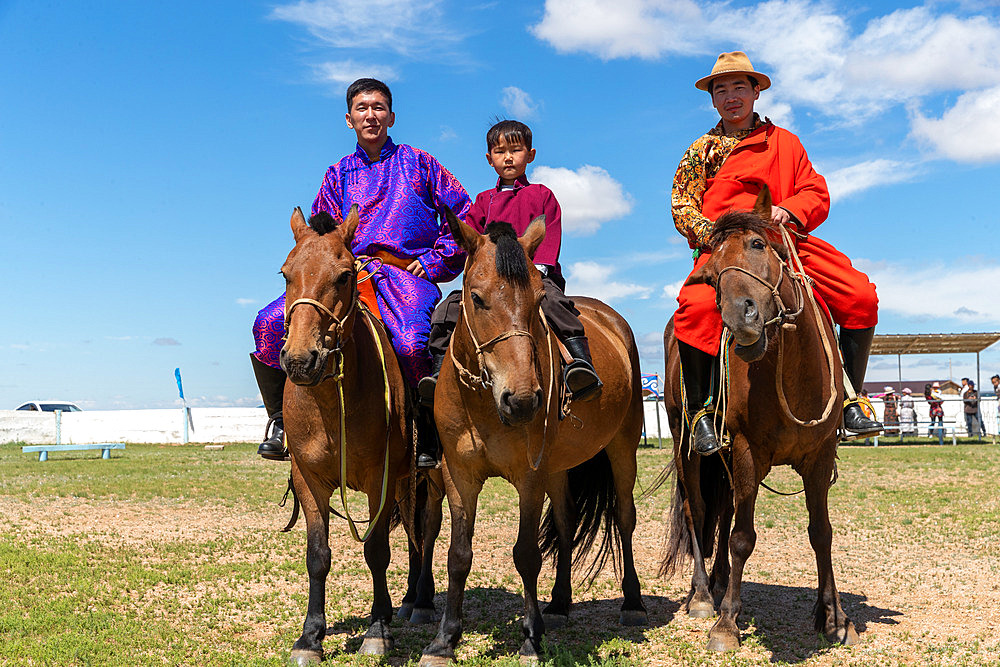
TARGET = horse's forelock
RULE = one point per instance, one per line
(733, 222)
(322, 222)
(511, 262)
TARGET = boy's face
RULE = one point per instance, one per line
(733, 97)
(509, 160)
(370, 117)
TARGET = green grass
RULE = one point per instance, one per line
(172, 555)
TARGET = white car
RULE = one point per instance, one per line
(49, 406)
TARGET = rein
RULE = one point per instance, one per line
(338, 377)
(802, 288)
(482, 381)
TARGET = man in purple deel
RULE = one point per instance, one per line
(401, 193)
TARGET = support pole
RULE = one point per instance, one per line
(58, 428)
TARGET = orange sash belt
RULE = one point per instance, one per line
(365, 290)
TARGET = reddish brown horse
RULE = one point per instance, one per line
(346, 410)
(783, 379)
(497, 407)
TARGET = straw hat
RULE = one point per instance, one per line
(936, 385)
(887, 389)
(906, 390)
(734, 62)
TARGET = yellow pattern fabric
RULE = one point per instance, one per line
(701, 161)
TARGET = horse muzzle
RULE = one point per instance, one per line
(305, 368)
(520, 408)
(745, 321)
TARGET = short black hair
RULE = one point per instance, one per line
(753, 83)
(512, 131)
(367, 86)
(995, 377)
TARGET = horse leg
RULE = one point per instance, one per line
(564, 516)
(830, 617)
(378, 640)
(414, 562)
(699, 602)
(463, 495)
(719, 579)
(423, 605)
(315, 501)
(725, 635)
(528, 562)
(621, 454)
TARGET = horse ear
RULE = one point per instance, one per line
(350, 225)
(465, 236)
(533, 236)
(299, 224)
(762, 206)
(704, 275)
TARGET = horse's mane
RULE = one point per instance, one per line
(736, 221)
(322, 223)
(511, 261)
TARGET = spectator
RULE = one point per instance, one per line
(935, 401)
(907, 413)
(890, 416)
(996, 392)
(971, 400)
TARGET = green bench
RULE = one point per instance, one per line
(43, 450)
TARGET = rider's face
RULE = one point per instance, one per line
(733, 97)
(370, 117)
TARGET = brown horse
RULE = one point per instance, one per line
(346, 395)
(505, 422)
(783, 379)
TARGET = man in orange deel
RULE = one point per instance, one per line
(724, 170)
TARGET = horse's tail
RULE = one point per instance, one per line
(714, 486)
(592, 492)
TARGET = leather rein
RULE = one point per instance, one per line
(336, 331)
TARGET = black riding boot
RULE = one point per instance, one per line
(854, 347)
(580, 377)
(697, 368)
(428, 445)
(426, 385)
(271, 382)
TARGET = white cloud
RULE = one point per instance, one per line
(641, 28)
(589, 196)
(245, 302)
(595, 280)
(856, 178)
(671, 290)
(447, 134)
(346, 72)
(651, 348)
(406, 27)
(967, 132)
(939, 291)
(518, 103)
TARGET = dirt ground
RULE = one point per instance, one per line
(919, 594)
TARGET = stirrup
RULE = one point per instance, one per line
(273, 448)
(873, 427)
(693, 426)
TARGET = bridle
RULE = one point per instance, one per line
(799, 281)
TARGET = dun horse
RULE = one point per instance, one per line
(785, 386)
(335, 350)
(497, 407)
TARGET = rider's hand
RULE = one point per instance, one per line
(780, 216)
(417, 269)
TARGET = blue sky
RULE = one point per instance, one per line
(151, 153)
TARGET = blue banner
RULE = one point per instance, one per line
(180, 387)
(651, 383)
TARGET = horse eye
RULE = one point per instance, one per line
(477, 301)
(344, 278)
(757, 244)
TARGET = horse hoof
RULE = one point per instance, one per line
(554, 621)
(405, 610)
(722, 643)
(633, 617)
(847, 636)
(434, 661)
(422, 616)
(701, 610)
(301, 657)
(375, 646)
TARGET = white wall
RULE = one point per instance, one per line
(205, 425)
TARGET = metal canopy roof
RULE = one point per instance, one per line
(933, 343)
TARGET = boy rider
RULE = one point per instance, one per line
(400, 192)
(724, 170)
(516, 201)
